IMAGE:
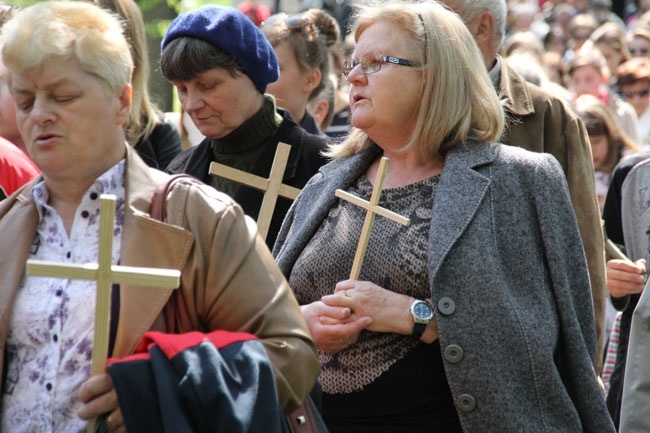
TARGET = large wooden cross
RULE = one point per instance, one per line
(372, 208)
(105, 274)
(272, 187)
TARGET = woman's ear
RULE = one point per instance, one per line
(125, 97)
(313, 80)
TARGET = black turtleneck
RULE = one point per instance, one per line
(242, 148)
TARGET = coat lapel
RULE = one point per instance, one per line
(145, 243)
(18, 223)
(461, 190)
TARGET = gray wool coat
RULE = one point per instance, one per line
(508, 276)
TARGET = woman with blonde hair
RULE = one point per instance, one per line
(70, 71)
(490, 276)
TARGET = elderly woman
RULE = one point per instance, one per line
(478, 316)
(221, 64)
(69, 71)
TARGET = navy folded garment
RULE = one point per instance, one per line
(194, 382)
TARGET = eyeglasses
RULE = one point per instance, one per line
(639, 93)
(298, 23)
(371, 63)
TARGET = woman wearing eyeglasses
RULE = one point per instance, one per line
(633, 78)
(221, 64)
(301, 43)
(477, 317)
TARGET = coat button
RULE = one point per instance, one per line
(453, 353)
(466, 403)
(446, 306)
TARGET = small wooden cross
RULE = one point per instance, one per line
(372, 208)
(272, 187)
(105, 274)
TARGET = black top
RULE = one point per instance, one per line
(413, 394)
(161, 147)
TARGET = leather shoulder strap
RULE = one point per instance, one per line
(159, 200)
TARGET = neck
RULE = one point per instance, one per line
(405, 169)
(65, 199)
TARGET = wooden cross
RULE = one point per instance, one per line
(272, 187)
(105, 275)
(372, 208)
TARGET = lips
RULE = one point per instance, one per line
(46, 138)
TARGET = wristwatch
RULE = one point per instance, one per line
(422, 313)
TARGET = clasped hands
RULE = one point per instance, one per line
(336, 320)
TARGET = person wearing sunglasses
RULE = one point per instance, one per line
(633, 79)
(301, 43)
(221, 65)
(477, 317)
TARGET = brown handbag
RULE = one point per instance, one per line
(305, 419)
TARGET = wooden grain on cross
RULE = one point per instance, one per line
(272, 187)
(105, 275)
(372, 208)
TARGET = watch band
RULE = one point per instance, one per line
(418, 329)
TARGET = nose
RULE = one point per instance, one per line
(192, 101)
(356, 75)
(42, 112)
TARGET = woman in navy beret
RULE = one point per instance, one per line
(221, 63)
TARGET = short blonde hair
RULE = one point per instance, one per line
(65, 29)
(458, 101)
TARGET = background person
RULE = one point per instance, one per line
(609, 143)
(419, 94)
(301, 44)
(633, 79)
(70, 71)
(156, 141)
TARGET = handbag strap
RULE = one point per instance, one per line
(176, 316)
(158, 209)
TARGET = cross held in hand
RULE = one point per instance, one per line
(105, 274)
(372, 208)
(272, 187)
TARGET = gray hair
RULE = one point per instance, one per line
(470, 9)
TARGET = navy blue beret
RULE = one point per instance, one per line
(233, 33)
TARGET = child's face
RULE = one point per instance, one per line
(586, 80)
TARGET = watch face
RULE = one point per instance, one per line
(423, 310)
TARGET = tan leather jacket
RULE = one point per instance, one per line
(540, 122)
(229, 280)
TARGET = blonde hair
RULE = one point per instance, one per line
(458, 101)
(68, 30)
(144, 117)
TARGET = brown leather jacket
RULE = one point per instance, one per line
(540, 122)
(229, 280)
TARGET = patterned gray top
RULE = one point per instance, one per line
(396, 260)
